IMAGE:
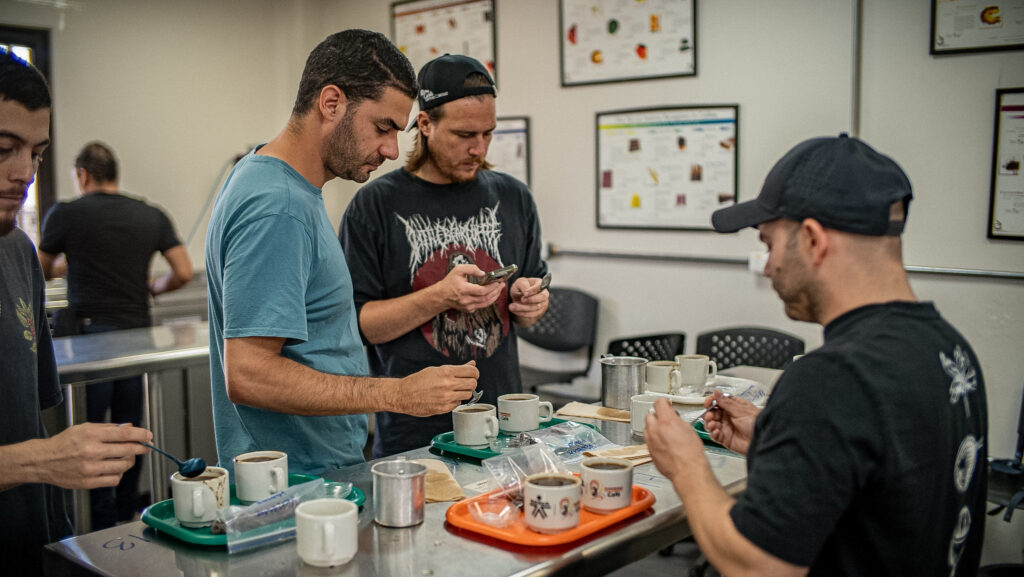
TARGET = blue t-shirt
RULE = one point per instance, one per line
(275, 269)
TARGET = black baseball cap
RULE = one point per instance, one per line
(443, 79)
(839, 181)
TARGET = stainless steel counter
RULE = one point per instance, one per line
(433, 549)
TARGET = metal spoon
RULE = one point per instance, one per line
(188, 469)
(476, 397)
(713, 407)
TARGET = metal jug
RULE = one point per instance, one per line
(399, 489)
(621, 378)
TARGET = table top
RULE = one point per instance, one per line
(433, 548)
(115, 354)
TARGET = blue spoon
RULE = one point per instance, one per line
(188, 469)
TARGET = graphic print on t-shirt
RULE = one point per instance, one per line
(435, 247)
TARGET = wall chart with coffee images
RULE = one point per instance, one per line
(617, 40)
(510, 147)
(666, 168)
(426, 29)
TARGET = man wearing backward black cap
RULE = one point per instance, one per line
(870, 455)
(416, 238)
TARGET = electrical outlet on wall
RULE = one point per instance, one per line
(756, 261)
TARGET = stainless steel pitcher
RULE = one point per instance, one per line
(621, 378)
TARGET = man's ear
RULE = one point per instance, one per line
(815, 240)
(332, 102)
(423, 123)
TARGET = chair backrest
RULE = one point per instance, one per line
(754, 346)
(650, 347)
(569, 324)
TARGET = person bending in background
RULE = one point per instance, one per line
(415, 237)
(870, 456)
(287, 365)
(83, 456)
(107, 239)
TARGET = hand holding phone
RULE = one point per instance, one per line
(495, 275)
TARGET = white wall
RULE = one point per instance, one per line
(178, 88)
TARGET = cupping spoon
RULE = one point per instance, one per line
(188, 469)
(476, 396)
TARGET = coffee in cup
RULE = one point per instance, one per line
(551, 502)
(662, 376)
(607, 484)
(197, 499)
(474, 424)
(520, 412)
(260, 474)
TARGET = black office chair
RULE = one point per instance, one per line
(754, 346)
(650, 347)
(569, 325)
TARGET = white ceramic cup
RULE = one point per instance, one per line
(473, 424)
(260, 474)
(327, 531)
(695, 372)
(520, 412)
(662, 376)
(639, 407)
(197, 500)
(607, 484)
(551, 502)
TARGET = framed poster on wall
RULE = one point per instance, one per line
(1006, 205)
(976, 25)
(614, 41)
(510, 147)
(666, 168)
(426, 29)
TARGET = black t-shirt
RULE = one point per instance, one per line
(401, 234)
(870, 457)
(109, 241)
(31, 515)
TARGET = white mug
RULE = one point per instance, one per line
(327, 531)
(607, 484)
(551, 502)
(474, 424)
(197, 499)
(520, 412)
(260, 474)
(662, 376)
(639, 407)
(695, 372)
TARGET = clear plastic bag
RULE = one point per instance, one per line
(569, 440)
(510, 469)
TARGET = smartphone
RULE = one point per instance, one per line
(499, 274)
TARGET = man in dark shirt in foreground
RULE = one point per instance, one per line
(870, 456)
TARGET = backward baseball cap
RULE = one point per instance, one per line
(443, 79)
(839, 181)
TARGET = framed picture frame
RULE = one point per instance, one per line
(666, 168)
(510, 147)
(426, 29)
(1006, 203)
(611, 41)
(960, 26)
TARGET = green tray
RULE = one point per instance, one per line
(160, 516)
(704, 435)
(446, 441)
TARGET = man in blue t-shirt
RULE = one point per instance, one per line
(287, 364)
(870, 456)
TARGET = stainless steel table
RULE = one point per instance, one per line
(179, 347)
(433, 549)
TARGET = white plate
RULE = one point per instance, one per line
(752, 391)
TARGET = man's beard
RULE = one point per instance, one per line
(448, 173)
(7, 222)
(343, 156)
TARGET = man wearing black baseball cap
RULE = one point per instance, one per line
(870, 456)
(418, 237)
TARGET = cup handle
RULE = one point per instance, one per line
(675, 381)
(277, 481)
(329, 539)
(551, 411)
(197, 502)
(713, 366)
(492, 426)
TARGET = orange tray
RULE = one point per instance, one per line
(517, 532)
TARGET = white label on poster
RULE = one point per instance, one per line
(1008, 208)
(966, 24)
